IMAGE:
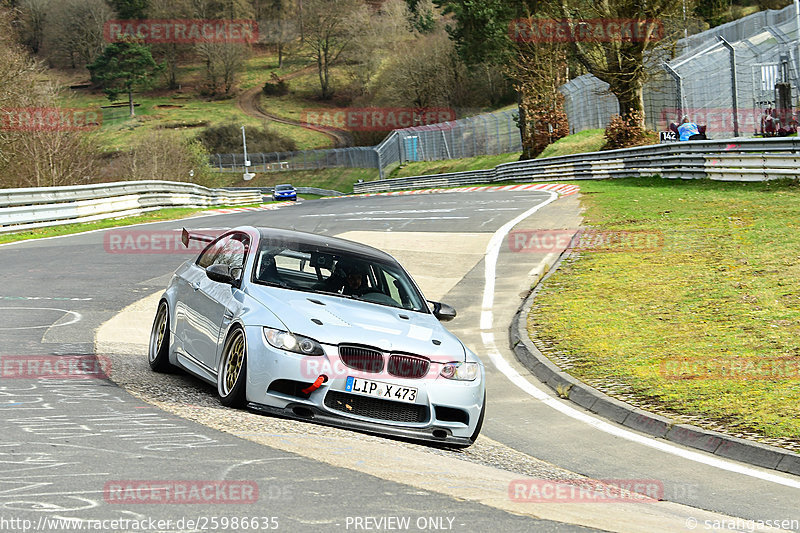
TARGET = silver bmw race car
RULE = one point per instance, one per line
(318, 328)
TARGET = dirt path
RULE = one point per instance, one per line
(250, 104)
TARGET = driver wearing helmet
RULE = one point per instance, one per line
(350, 277)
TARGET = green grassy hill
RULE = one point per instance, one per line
(186, 111)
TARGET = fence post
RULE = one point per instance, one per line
(734, 91)
(400, 147)
(679, 86)
(474, 131)
(498, 142)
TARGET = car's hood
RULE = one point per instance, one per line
(346, 321)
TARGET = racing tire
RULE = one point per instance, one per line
(232, 375)
(158, 348)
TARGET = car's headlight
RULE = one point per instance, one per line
(292, 343)
(460, 371)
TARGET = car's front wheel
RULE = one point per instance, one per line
(232, 373)
(158, 349)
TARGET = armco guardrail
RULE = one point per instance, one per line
(22, 209)
(727, 160)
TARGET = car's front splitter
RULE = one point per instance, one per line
(311, 413)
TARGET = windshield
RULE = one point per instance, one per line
(338, 274)
(283, 188)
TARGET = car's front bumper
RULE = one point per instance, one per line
(446, 411)
(304, 411)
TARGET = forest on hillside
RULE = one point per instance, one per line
(455, 54)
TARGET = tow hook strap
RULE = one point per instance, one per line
(314, 386)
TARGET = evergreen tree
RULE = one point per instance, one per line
(123, 67)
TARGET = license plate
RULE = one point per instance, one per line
(379, 389)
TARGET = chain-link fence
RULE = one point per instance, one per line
(587, 103)
(486, 134)
(726, 78)
(356, 157)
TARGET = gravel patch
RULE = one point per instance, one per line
(195, 400)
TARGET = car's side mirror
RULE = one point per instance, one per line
(443, 312)
(224, 274)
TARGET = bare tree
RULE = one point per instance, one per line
(162, 155)
(423, 73)
(538, 70)
(18, 80)
(74, 31)
(621, 62)
(378, 40)
(222, 9)
(223, 61)
(53, 158)
(329, 30)
(33, 14)
(277, 24)
(30, 155)
(169, 53)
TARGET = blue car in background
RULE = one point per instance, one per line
(284, 192)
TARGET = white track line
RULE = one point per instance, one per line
(76, 317)
(492, 252)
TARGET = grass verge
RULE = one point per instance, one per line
(577, 143)
(421, 168)
(696, 326)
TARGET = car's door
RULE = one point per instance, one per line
(210, 305)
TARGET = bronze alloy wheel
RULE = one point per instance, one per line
(158, 350)
(231, 380)
(157, 335)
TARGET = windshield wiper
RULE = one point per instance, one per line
(281, 284)
(330, 293)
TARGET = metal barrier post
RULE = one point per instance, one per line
(734, 92)
(679, 86)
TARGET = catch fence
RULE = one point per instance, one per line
(484, 134)
(726, 78)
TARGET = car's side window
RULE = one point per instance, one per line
(206, 258)
(229, 250)
(232, 252)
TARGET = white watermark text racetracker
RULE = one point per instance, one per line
(144, 524)
(399, 523)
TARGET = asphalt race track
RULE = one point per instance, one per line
(70, 447)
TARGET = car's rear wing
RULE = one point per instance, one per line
(186, 237)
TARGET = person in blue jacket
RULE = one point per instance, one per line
(689, 131)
